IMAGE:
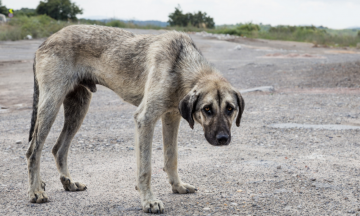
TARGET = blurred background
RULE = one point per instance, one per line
(333, 23)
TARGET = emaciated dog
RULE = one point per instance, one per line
(165, 76)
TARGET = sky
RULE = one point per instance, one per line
(337, 14)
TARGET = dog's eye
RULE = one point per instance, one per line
(207, 110)
(229, 109)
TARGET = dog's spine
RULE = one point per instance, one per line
(35, 102)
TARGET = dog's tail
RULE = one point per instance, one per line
(35, 103)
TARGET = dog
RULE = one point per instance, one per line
(165, 76)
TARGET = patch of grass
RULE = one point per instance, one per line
(44, 26)
(36, 26)
(116, 23)
(296, 33)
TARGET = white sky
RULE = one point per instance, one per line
(331, 13)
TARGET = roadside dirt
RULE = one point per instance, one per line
(264, 171)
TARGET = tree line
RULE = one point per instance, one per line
(56, 9)
(199, 19)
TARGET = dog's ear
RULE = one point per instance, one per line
(241, 104)
(187, 107)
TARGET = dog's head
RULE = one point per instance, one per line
(214, 104)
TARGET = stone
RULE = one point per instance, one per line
(130, 148)
(277, 191)
(321, 185)
(238, 47)
(259, 89)
(18, 142)
(278, 167)
(308, 126)
(338, 120)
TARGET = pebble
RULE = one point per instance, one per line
(18, 142)
(131, 148)
(338, 120)
(238, 47)
(233, 204)
(280, 191)
(206, 209)
(313, 179)
(278, 167)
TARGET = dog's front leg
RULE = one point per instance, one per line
(145, 122)
(170, 126)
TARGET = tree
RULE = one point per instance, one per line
(3, 9)
(199, 19)
(59, 9)
(25, 11)
(178, 18)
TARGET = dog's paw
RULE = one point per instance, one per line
(183, 188)
(153, 206)
(38, 197)
(69, 185)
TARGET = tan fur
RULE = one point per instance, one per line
(165, 76)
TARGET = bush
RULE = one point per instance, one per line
(248, 29)
(116, 23)
(37, 27)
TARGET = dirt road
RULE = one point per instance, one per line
(266, 170)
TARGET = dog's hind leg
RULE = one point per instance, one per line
(49, 103)
(170, 128)
(76, 105)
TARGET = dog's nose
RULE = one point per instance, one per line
(222, 138)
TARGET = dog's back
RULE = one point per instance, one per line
(96, 54)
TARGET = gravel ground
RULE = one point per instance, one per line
(264, 171)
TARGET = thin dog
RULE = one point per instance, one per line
(165, 76)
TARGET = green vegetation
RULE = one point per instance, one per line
(116, 23)
(247, 29)
(59, 9)
(36, 26)
(52, 15)
(317, 35)
(25, 12)
(199, 19)
(3, 9)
